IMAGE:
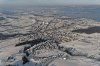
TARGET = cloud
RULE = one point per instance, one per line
(49, 2)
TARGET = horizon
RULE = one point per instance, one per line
(68, 5)
(47, 3)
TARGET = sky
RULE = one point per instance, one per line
(49, 2)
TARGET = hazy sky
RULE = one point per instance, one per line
(49, 2)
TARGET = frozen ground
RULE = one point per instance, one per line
(34, 40)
